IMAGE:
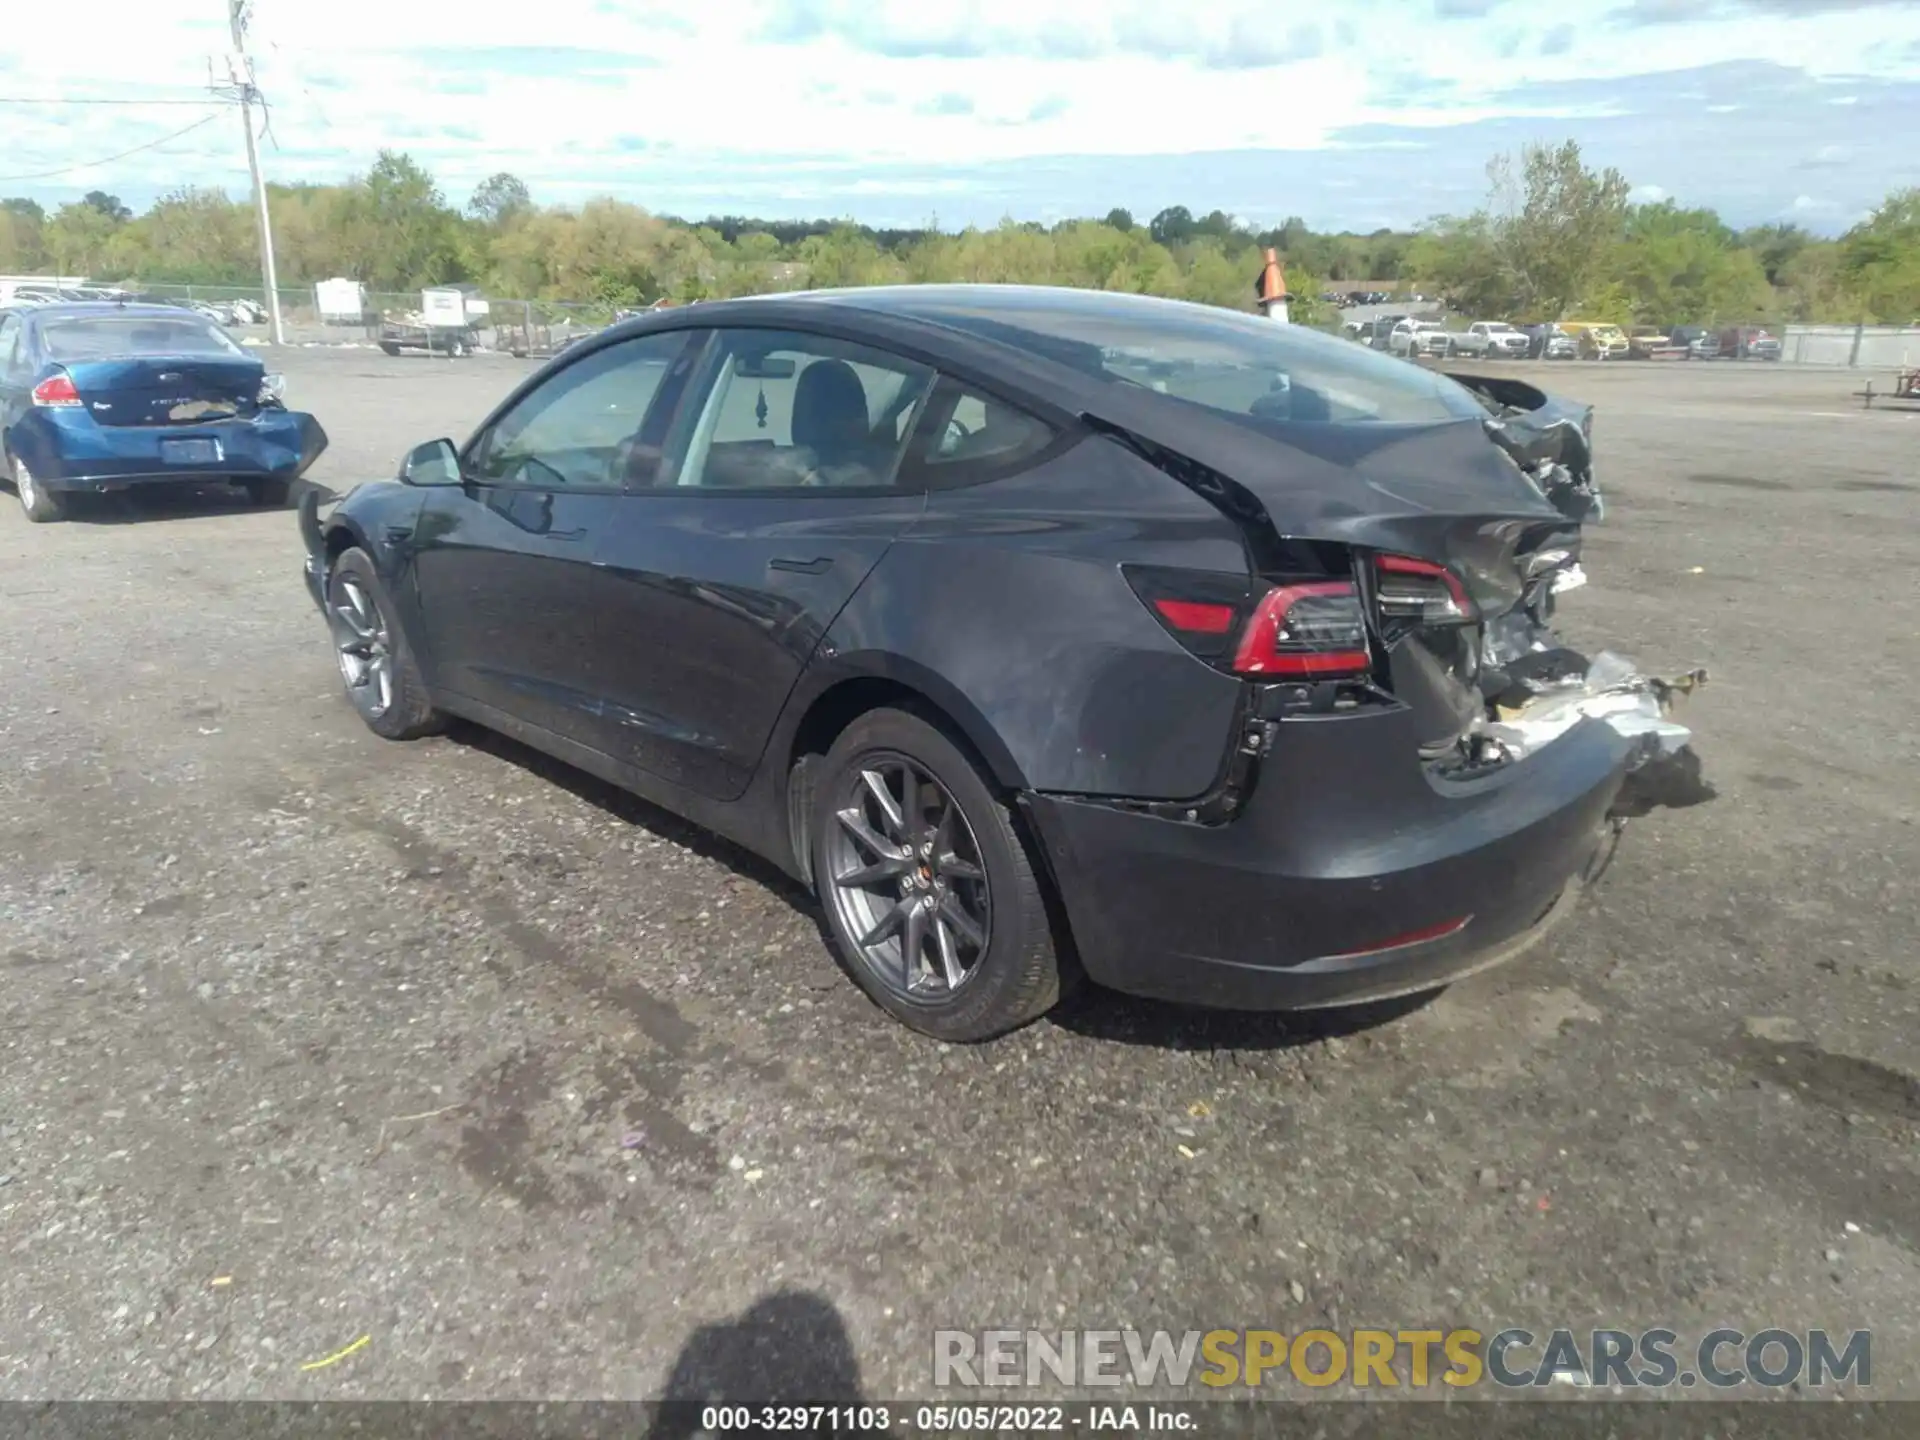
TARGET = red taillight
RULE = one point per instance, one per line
(1420, 590)
(56, 390)
(1313, 631)
(1196, 617)
(1301, 630)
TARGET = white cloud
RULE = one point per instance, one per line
(609, 95)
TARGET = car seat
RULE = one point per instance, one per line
(830, 420)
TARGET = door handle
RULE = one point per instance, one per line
(819, 565)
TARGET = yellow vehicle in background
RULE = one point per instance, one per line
(1597, 339)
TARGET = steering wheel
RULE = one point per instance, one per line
(956, 432)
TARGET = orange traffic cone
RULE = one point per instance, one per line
(1271, 288)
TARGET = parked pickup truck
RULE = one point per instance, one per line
(1650, 342)
(1413, 338)
(1699, 342)
(1491, 340)
(1550, 342)
(1749, 342)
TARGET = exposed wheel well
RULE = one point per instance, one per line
(832, 712)
(838, 707)
(339, 541)
(842, 704)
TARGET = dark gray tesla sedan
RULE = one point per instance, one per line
(1045, 633)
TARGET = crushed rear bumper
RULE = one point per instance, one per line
(68, 451)
(1350, 874)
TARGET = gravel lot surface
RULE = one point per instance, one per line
(306, 1036)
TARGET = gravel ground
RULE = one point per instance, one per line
(306, 1036)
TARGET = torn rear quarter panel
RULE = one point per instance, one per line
(1499, 503)
(1549, 438)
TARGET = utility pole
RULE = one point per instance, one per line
(241, 70)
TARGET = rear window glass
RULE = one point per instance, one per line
(113, 337)
(1234, 363)
(969, 436)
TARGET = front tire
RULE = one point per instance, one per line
(377, 665)
(934, 904)
(42, 506)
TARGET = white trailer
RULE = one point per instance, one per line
(341, 302)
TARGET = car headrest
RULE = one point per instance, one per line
(830, 410)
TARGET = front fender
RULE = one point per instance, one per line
(379, 516)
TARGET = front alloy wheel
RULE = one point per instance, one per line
(908, 884)
(363, 645)
(376, 664)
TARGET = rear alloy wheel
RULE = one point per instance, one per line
(41, 504)
(376, 663)
(935, 908)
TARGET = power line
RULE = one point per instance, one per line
(64, 100)
(108, 160)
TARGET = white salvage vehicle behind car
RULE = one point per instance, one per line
(1413, 338)
(1491, 340)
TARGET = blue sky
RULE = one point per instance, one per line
(1353, 115)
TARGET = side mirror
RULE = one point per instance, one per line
(434, 463)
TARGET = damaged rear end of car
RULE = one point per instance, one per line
(1423, 770)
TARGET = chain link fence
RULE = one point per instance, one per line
(518, 327)
(1858, 347)
(393, 319)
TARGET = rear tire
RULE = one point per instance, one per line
(377, 665)
(982, 959)
(268, 494)
(42, 506)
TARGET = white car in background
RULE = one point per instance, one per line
(1413, 338)
(1492, 340)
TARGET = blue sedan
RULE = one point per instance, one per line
(97, 397)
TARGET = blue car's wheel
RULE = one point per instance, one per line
(41, 504)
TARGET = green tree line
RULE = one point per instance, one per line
(1555, 238)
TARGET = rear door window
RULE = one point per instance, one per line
(966, 436)
(784, 409)
(12, 351)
